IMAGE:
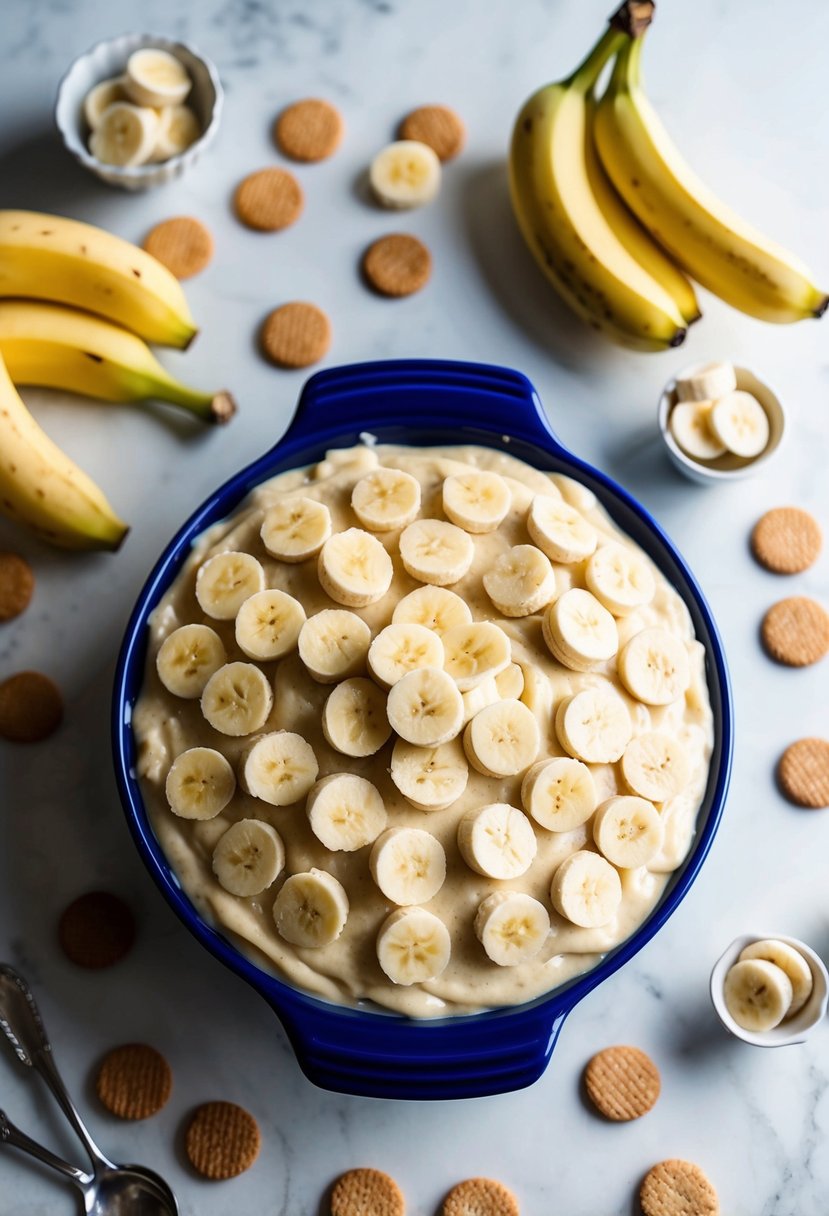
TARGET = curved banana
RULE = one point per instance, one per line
(54, 258)
(57, 347)
(42, 487)
(713, 244)
(567, 213)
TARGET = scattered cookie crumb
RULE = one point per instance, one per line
(795, 631)
(397, 265)
(182, 244)
(480, 1197)
(31, 707)
(296, 335)
(622, 1083)
(96, 930)
(786, 540)
(17, 584)
(367, 1192)
(678, 1188)
(134, 1081)
(222, 1140)
(269, 200)
(309, 130)
(437, 126)
(803, 773)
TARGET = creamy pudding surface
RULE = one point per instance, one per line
(459, 812)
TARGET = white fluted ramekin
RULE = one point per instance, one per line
(791, 1030)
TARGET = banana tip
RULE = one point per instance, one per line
(222, 408)
(678, 338)
(821, 308)
(193, 335)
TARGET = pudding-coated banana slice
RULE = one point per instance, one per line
(354, 719)
(402, 648)
(627, 831)
(739, 421)
(425, 707)
(706, 383)
(497, 841)
(248, 857)
(579, 632)
(280, 768)
(295, 529)
(758, 994)
(405, 174)
(156, 78)
(655, 766)
(510, 681)
(559, 794)
(187, 658)
(435, 607)
(620, 578)
(225, 581)
(333, 645)
(477, 501)
(690, 424)
(125, 135)
(346, 812)
(654, 667)
(268, 624)
(311, 909)
(586, 890)
(237, 699)
(386, 499)
(503, 739)
(475, 651)
(408, 865)
(413, 946)
(512, 927)
(435, 551)
(789, 960)
(429, 778)
(100, 97)
(483, 694)
(354, 568)
(200, 783)
(594, 725)
(537, 695)
(560, 530)
(520, 581)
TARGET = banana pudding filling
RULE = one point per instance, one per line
(423, 728)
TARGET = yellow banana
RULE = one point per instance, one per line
(40, 486)
(53, 258)
(58, 347)
(712, 243)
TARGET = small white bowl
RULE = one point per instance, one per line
(792, 1030)
(109, 58)
(728, 467)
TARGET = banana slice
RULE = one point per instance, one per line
(434, 607)
(354, 718)
(225, 581)
(408, 865)
(405, 174)
(620, 578)
(296, 529)
(178, 129)
(401, 648)
(187, 658)
(429, 778)
(594, 725)
(758, 994)
(689, 423)
(559, 794)
(580, 633)
(436, 552)
(478, 698)
(789, 960)
(100, 97)
(280, 768)
(537, 695)
(475, 651)
(510, 682)
(268, 625)
(512, 927)
(425, 707)
(237, 699)
(156, 78)
(333, 644)
(386, 499)
(706, 383)
(559, 530)
(311, 909)
(740, 422)
(354, 569)
(248, 857)
(502, 740)
(346, 812)
(655, 766)
(497, 841)
(476, 501)
(413, 946)
(125, 135)
(520, 581)
(200, 783)
(628, 831)
(586, 890)
(654, 667)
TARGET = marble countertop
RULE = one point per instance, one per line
(742, 89)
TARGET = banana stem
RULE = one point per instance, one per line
(210, 407)
(633, 17)
(589, 70)
(627, 68)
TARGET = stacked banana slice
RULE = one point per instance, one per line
(711, 416)
(770, 983)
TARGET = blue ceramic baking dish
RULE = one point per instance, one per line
(362, 1050)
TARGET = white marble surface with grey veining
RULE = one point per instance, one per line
(742, 87)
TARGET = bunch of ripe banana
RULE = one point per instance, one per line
(59, 279)
(617, 220)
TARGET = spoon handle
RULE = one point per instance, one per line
(13, 1136)
(22, 1025)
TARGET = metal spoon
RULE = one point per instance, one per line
(110, 1190)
